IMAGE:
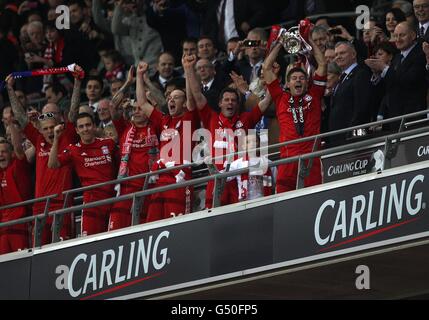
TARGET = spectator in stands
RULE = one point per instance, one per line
(385, 51)
(114, 64)
(211, 87)
(330, 53)
(392, 18)
(164, 70)
(299, 113)
(122, 43)
(251, 64)
(33, 56)
(170, 22)
(171, 130)
(48, 181)
(226, 19)
(93, 160)
(94, 91)
(406, 79)
(129, 20)
(189, 46)
(228, 118)
(421, 11)
(115, 85)
(320, 37)
(351, 98)
(208, 50)
(8, 54)
(82, 37)
(333, 77)
(15, 187)
(407, 8)
(57, 94)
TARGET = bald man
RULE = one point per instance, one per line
(351, 97)
(406, 78)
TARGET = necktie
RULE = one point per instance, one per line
(205, 89)
(422, 32)
(221, 33)
(342, 77)
(254, 74)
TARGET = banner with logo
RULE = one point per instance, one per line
(277, 231)
(371, 159)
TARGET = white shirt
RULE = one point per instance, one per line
(163, 81)
(350, 69)
(208, 85)
(229, 27)
(426, 26)
(94, 106)
(255, 68)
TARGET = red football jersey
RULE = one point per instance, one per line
(171, 128)
(311, 112)
(50, 181)
(15, 187)
(217, 123)
(145, 138)
(94, 163)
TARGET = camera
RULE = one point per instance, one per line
(252, 43)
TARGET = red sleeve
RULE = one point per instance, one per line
(206, 114)
(31, 133)
(156, 119)
(120, 126)
(275, 91)
(116, 158)
(251, 118)
(194, 117)
(22, 164)
(318, 86)
(65, 157)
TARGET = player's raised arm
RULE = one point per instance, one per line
(269, 75)
(142, 68)
(17, 108)
(75, 99)
(53, 161)
(189, 62)
(322, 65)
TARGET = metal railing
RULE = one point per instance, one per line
(390, 142)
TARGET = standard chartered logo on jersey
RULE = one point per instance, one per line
(125, 263)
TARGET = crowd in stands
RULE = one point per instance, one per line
(156, 70)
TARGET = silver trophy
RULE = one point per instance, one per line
(293, 42)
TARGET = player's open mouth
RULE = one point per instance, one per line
(51, 136)
(172, 108)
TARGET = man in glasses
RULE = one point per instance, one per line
(421, 11)
(48, 181)
(93, 159)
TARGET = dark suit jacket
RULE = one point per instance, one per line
(351, 102)
(250, 11)
(241, 67)
(212, 95)
(406, 84)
